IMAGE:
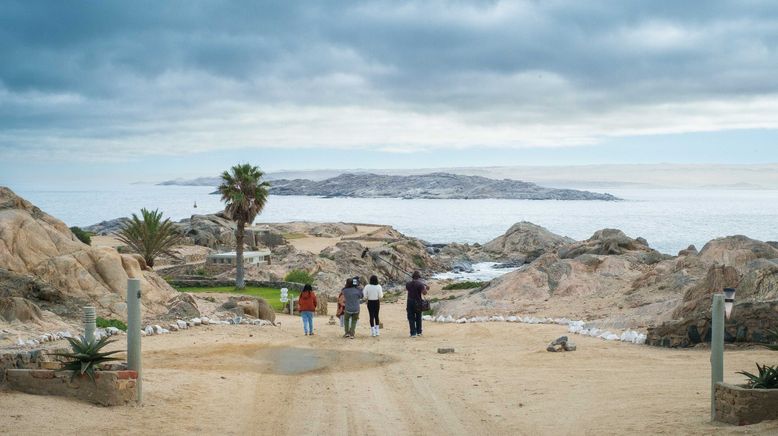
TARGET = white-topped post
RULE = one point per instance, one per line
(90, 320)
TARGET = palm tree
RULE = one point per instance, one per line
(245, 194)
(150, 236)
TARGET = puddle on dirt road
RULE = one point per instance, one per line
(292, 361)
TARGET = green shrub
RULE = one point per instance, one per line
(103, 323)
(299, 276)
(82, 235)
(418, 260)
(463, 285)
(201, 272)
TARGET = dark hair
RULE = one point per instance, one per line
(355, 281)
(348, 282)
(307, 288)
(373, 280)
(416, 275)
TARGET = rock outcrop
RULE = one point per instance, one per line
(109, 227)
(525, 242)
(42, 262)
(617, 281)
(738, 262)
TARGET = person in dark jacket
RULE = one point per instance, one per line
(307, 305)
(353, 295)
(416, 288)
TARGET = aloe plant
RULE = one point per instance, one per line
(86, 356)
(766, 379)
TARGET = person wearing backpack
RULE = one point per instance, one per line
(353, 295)
(307, 305)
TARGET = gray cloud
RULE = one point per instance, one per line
(138, 77)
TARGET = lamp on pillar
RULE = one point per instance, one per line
(722, 307)
(729, 300)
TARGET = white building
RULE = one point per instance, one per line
(249, 258)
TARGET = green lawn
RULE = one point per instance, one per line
(273, 296)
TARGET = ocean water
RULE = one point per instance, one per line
(669, 219)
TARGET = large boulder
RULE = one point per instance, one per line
(41, 248)
(213, 230)
(605, 242)
(736, 251)
(526, 242)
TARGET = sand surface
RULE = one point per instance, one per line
(275, 380)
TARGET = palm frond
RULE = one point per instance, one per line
(150, 236)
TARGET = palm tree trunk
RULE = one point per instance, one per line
(239, 281)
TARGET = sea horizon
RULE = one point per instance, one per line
(670, 219)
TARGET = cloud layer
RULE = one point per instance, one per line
(107, 80)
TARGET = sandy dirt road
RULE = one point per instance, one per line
(276, 381)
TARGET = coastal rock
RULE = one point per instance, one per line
(605, 242)
(736, 251)
(587, 280)
(755, 310)
(561, 344)
(431, 186)
(252, 306)
(109, 227)
(47, 265)
(525, 241)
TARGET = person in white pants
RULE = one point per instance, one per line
(374, 293)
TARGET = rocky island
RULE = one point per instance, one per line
(425, 186)
(428, 186)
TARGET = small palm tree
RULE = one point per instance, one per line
(150, 236)
(245, 194)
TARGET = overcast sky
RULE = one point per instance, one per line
(184, 87)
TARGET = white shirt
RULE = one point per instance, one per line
(374, 292)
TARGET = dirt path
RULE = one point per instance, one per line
(250, 380)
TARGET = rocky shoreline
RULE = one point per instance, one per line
(609, 281)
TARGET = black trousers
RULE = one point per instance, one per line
(413, 310)
(373, 306)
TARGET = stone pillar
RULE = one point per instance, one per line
(716, 350)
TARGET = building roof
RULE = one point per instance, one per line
(231, 254)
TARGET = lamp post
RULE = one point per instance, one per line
(722, 306)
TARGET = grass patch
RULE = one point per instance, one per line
(103, 323)
(294, 235)
(272, 296)
(299, 276)
(463, 285)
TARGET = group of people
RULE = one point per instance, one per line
(350, 300)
